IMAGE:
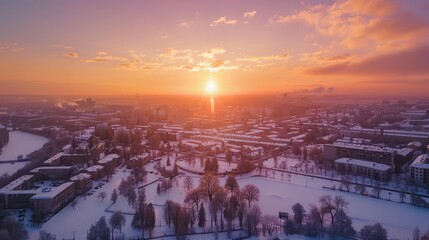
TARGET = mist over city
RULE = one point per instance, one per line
(273, 120)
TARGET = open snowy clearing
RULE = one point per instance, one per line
(276, 195)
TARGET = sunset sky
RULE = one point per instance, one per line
(377, 47)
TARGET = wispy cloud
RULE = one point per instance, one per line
(71, 54)
(324, 56)
(14, 47)
(357, 23)
(211, 53)
(104, 58)
(410, 62)
(62, 46)
(218, 65)
(164, 36)
(186, 24)
(249, 14)
(223, 20)
(260, 59)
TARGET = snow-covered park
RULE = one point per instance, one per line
(277, 193)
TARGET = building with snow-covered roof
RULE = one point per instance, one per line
(96, 171)
(54, 160)
(17, 193)
(52, 200)
(377, 171)
(398, 136)
(82, 182)
(138, 161)
(384, 155)
(111, 159)
(62, 158)
(53, 172)
(251, 152)
(419, 170)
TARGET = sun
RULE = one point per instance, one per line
(211, 86)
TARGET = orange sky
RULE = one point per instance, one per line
(377, 47)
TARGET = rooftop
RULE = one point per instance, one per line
(421, 161)
(94, 168)
(52, 191)
(16, 183)
(80, 176)
(362, 163)
(108, 158)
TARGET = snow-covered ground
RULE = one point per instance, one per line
(196, 167)
(276, 195)
(20, 143)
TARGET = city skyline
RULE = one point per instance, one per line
(166, 47)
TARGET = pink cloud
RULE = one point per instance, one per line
(410, 62)
(71, 54)
(224, 21)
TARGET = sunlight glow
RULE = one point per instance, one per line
(211, 86)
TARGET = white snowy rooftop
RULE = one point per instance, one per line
(36, 170)
(400, 151)
(16, 183)
(80, 176)
(54, 158)
(94, 168)
(362, 163)
(53, 191)
(139, 157)
(108, 158)
(391, 132)
(421, 161)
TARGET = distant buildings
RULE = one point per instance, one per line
(251, 152)
(376, 171)
(397, 136)
(138, 161)
(389, 156)
(419, 170)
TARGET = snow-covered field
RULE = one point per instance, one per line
(196, 166)
(276, 195)
(20, 143)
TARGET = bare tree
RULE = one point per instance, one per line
(416, 234)
(114, 195)
(314, 223)
(376, 189)
(333, 205)
(194, 197)
(346, 181)
(269, 224)
(372, 232)
(43, 235)
(252, 219)
(217, 206)
(250, 193)
(342, 225)
(209, 185)
(188, 183)
(102, 195)
(73, 204)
